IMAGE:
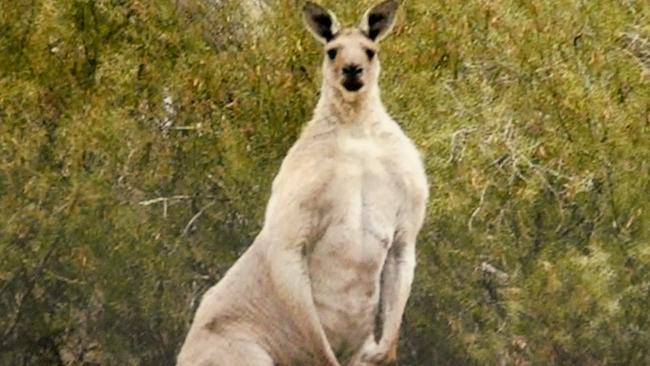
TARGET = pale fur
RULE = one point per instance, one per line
(332, 267)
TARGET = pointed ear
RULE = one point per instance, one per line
(320, 22)
(378, 21)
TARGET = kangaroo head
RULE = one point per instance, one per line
(350, 64)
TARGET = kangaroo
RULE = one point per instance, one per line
(327, 279)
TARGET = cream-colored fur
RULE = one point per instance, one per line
(327, 279)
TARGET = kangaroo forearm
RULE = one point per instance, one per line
(293, 289)
(396, 287)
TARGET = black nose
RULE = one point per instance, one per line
(352, 70)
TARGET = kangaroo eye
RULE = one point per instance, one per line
(331, 53)
(370, 53)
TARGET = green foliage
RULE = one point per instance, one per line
(138, 141)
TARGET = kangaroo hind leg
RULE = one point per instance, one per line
(225, 352)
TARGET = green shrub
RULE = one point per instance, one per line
(138, 141)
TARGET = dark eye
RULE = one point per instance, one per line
(370, 53)
(331, 53)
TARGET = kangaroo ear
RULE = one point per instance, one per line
(320, 22)
(379, 20)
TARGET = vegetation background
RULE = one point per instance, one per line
(138, 141)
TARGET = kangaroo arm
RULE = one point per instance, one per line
(290, 277)
(397, 278)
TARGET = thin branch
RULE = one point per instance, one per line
(36, 273)
(70, 281)
(163, 199)
(456, 145)
(165, 202)
(195, 217)
(184, 128)
(476, 211)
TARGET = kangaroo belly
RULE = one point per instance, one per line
(346, 275)
(347, 262)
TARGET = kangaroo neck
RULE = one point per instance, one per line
(349, 109)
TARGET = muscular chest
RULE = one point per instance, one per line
(368, 173)
(370, 187)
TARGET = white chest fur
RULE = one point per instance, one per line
(367, 191)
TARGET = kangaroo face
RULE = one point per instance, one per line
(350, 61)
(350, 54)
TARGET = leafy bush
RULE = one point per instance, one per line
(138, 141)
